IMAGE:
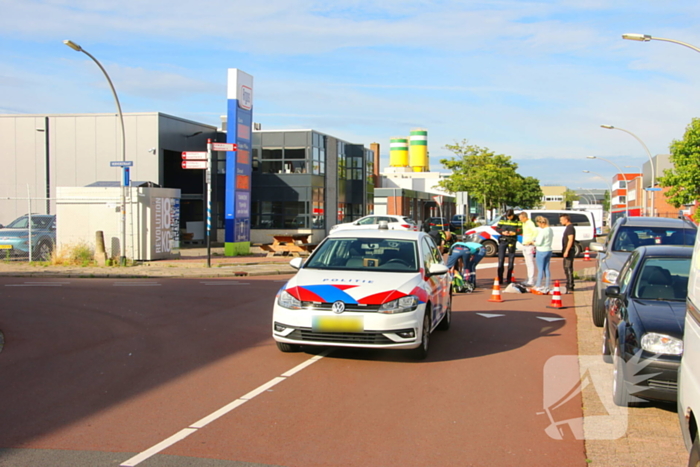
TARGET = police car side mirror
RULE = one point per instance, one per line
(296, 263)
(437, 269)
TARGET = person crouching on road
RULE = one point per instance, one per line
(471, 253)
(529, 234)
(509, 228)
(543, 246)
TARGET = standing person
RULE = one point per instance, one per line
(568, 248)
(509, 228)
(529, 234)
(543, 246)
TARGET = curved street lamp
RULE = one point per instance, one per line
(647, 38)
(77, 48)
(651, 162)
(609, 186)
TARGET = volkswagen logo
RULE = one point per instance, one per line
(338, 307)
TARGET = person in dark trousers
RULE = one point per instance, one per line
(568, 250)
(509, 228)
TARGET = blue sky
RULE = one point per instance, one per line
(530, 79)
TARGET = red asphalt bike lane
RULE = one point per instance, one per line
(476, 400)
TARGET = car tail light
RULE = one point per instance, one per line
(405, 226)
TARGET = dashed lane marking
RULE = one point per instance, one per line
(184, 433)
(136, 284)
(224, 283)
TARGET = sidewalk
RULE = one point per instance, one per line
(192, 263)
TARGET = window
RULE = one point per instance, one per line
(579, 219)
(365, 254)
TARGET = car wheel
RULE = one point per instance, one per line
(43, 251)
(578, 249)
(285, 347)
(597, 308)
(491, 248)
(607, 358)
(620, 395)
(694, 459)
(422, 351)
(447, 319)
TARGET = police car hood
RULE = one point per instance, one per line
(354, 287)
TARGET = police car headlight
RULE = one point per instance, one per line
(286, 300)
(662, 344)
(400, 305)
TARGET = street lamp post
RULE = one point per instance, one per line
(647, 38)
(651, 161)
(609, 190)
(77, 48)
(623, 177)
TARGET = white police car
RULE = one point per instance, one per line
(373, 288)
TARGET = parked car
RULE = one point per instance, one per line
(394, 223)
(435, 223)
(627, 234)
(459, 221)
(14, 238)
(365, 288)
(583, 222)
(643, 325)
(689, 373)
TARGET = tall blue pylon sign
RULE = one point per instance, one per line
(238, 164)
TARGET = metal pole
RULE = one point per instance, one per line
(76, 47)
(208, 175)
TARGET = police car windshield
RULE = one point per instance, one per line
(365, 254)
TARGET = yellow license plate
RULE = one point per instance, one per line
(5, 247)
(338, 324)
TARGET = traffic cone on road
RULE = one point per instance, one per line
(556, 297)
(587, 255)
(496, 292)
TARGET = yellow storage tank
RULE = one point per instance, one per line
(418, 150)
(398, 152)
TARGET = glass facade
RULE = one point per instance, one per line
(291, 185)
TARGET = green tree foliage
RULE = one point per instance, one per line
(684, 179)
(569, 197)
(491, 178)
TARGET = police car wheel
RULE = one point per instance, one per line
(694, 459)
(421, 351)
(447, 319)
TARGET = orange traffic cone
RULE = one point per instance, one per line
(556, 297)
(496, 292)
(586, 255)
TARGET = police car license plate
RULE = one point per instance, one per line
(5, 247)
(338, 324)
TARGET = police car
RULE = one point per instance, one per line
(373, 288)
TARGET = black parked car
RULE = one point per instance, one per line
(644, 321)
(627, 234)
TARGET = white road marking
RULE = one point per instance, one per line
(549, 319)
(179, 436)
(38, 284)
(136, 284)
(224, 283)
(489, 315)
(184, 433)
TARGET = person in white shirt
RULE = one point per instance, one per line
(543, 247)
(529, 234)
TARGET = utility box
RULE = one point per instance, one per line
(152, 219)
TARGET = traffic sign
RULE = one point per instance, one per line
(195, 156)
(223, 147)
(195, 164)
(121, 163)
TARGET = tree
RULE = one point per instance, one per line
(683, 180)
(491, 178)
(529, 194)
(569, 197)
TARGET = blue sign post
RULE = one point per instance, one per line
(239, 163)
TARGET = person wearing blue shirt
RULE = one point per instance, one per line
(471, 253)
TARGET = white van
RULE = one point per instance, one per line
(689, 373)
(583, 222)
